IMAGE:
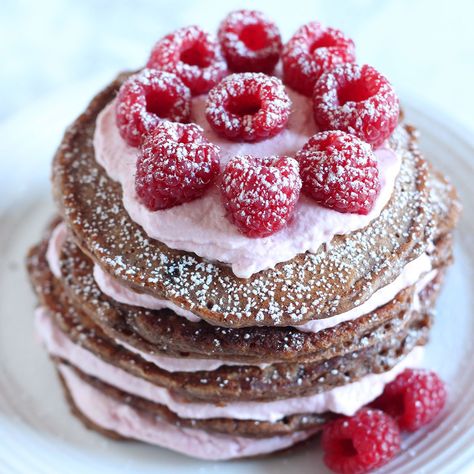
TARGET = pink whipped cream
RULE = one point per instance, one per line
(182, 364)
(346, 399)
(201, 226)
(410, 274)
(53, 252)
(130, 423)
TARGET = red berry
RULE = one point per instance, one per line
(358, 444)
(176, 164)
(248, 106)
(260, 193)
(357, 100)
(339, 171)
(313, 50)
(193, 55)
(414, 398)
(250, 41)
(145, 99)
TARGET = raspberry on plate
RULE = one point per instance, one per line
(145, 99)
(313, 50)
(248, 106)
(414, 398)
(339, 171)
(176, 164)
(358, 100)
(250, 41)
(193, 55)
(358, 444)
(260, 193)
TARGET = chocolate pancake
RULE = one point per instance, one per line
(338, 277)
(247, 428)
(163, 332)
(231, 383)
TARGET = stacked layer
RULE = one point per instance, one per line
(169, 331)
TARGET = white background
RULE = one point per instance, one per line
(426, 47)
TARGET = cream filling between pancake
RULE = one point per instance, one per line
(410, 274)
(346, 399)
(121, 418)
(201, 226)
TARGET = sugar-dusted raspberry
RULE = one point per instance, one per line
(358, 444)
(248, 106)
(250, 41)
(145, 99)
(193, 55)
(176, 164)
(339, 171)
(358, 100)
(414, 398)
(260, 193)
(313, 50)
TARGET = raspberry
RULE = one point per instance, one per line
(250, 41)
(260, 193)
(358, 444)
(176, 164)
(248, 106)
(146, 98)
(193, 55)
(311, 51)
(339, 171)
(357, 100)
(414, 398)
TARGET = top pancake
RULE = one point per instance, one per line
(341, 275)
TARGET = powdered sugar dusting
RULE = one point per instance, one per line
(310, 286)
(208, 232)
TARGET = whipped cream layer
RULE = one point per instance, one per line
(410, 274)
(201, 226)
(121, 418)
(346, 399)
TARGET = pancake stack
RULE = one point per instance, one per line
(227, 367)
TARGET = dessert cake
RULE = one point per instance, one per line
(248, 248)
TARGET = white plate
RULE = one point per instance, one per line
(37, 433)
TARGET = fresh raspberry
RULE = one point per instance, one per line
(313, 50)
(339, 171)
(250, 41)
(145, 99)
(357, 100)
(176, 164)
(193, 55)
(260, 193)
(358, 444)
(248, 106)
(414, 398)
